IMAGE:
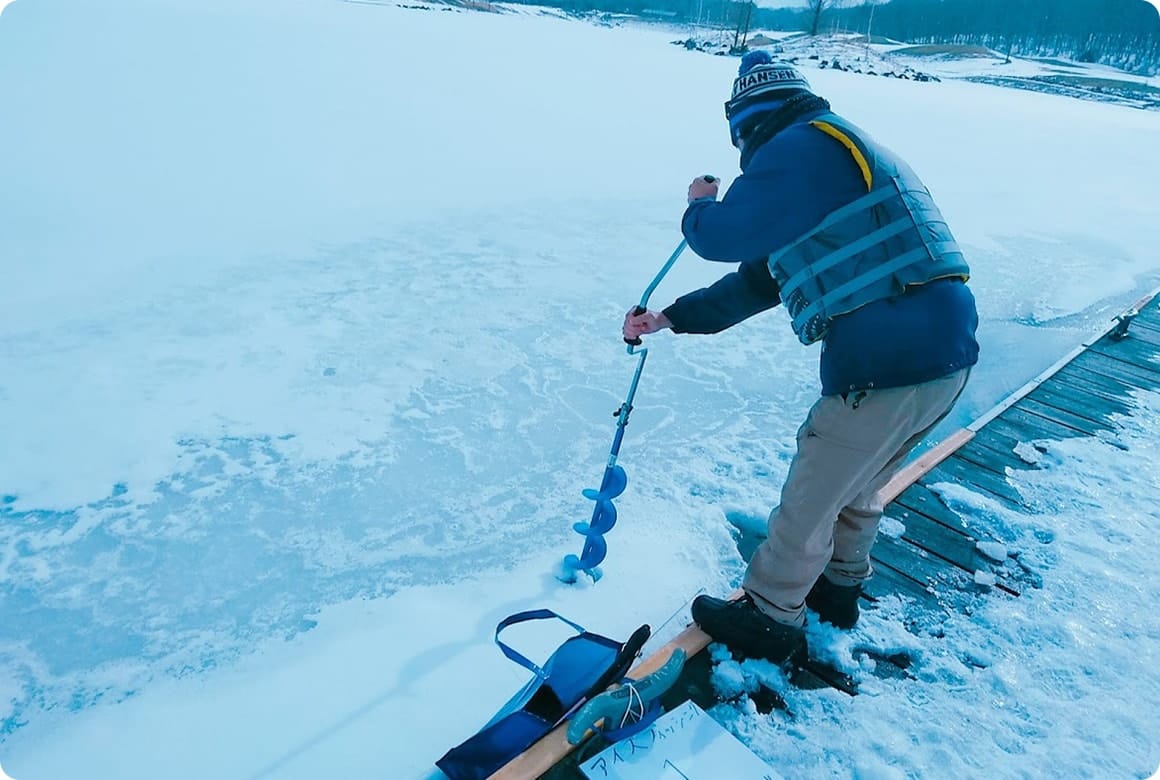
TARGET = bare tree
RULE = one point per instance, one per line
(816, 9)
(742, 31)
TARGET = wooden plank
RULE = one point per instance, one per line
(1002, 437)
(988, 449)
(819, 676)
(998, 438)
(1148, 315)
(880, 585)
(928, 534)
(1131, 351)
(888, 581)
(911, 473)
(1010, 432)
(1040, 426)
(1147, 328)
(1117, 369)
(1011, 427)
(1113, 395)
(919, 498)
(913, 562)
(1105, 386)
(992, 460)
(1064, 405)
(997, 462)
(1078, 396)
(981, 480)
(1053, 420)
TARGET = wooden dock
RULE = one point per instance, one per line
(937, 561)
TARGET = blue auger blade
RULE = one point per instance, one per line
(614, 482)
(603, 518)
(611, 486)
(595, 548)
(568, 569)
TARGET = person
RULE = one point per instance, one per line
(842, 232)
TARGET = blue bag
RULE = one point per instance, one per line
(582, 667)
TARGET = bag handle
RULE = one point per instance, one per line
(523, 617)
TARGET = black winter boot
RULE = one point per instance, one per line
(835, 604)
(744, 628)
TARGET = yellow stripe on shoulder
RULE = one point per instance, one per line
(847, 142)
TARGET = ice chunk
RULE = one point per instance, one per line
(985, 578)
(996, 551)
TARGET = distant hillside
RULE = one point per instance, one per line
(1122, 33)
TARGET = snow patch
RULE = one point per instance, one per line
(892, 527)
(1029, 452)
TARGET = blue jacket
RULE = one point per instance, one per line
(788, 186)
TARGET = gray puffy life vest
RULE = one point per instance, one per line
(874, 248)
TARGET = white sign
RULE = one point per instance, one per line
(685, 744)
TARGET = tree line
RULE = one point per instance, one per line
(1123, 33)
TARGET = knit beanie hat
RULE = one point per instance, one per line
(761, 85)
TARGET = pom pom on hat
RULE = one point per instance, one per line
(761, 85)
(753, 59)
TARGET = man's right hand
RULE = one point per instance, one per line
(704, 187)
(637, 325)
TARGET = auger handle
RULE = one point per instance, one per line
(642, 307)
(636, 312)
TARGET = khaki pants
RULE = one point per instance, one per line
(847, 450)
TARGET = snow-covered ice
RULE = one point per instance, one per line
(309, 339)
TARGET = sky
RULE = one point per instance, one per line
(766, 3)
(311, 341)
(791, 3)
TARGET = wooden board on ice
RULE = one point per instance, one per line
(685, 744)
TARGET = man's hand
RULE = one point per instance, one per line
(637, 325)
(704, 187)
